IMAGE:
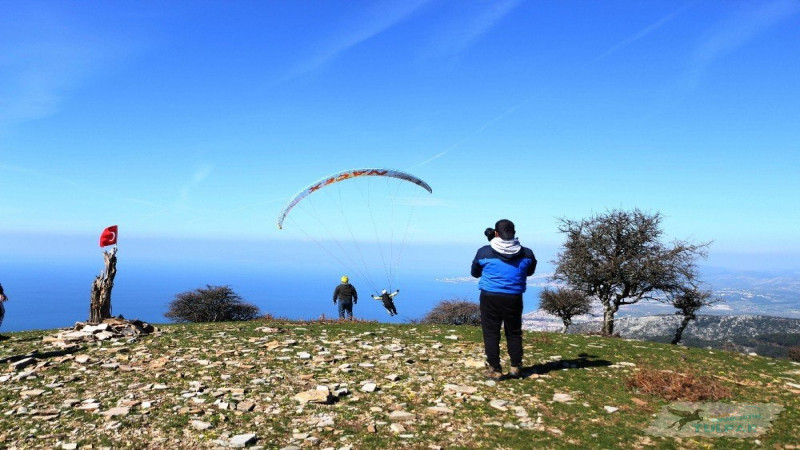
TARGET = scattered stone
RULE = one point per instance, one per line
(439, 410)
(499, 404)
(474, 363)
(611, 409)
(562, 398)
(397, 428)
(245, 406)
(22, 363)
(401, 416)
(460, 389)
(200, 425)
(242, 440)
(32, 392)
(393, 377)
(313, 396)
(117, 411)
(369, 387)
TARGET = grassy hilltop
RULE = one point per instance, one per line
(390, 386)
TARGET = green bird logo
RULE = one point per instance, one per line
(686, 417)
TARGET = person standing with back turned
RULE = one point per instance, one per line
(502, 267)
(3, 298)
(347, 296)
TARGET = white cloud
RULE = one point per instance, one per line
(356, 30)
(738, 30)
(475, 21)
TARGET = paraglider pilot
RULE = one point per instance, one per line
(347, 296)
(388, 303)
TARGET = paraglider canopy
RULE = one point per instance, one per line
(362, 224)
(346, 175)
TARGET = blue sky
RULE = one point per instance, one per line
(200, 120)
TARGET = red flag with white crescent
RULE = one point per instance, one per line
(108, 236)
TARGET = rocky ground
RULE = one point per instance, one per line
(344, 385)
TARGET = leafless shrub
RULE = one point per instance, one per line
(454, 312)
(210, 304)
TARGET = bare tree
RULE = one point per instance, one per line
(565, 304)
(619, 259)
(100, 303)
(687, 300)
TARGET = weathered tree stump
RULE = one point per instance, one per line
(100, 306)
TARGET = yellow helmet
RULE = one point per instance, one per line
(345, 279)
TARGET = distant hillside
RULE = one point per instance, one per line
(765, 335)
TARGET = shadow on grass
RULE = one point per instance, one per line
(581, 362)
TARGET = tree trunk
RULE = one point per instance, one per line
(100, 305)
(608, 318)
(567, 323)
(679, 331)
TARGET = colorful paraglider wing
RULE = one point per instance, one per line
(346, 175)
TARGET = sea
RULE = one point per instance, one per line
(51, 293)
(57, 294)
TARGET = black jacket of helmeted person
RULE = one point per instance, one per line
(345, 293)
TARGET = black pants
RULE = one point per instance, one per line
(505, 309)
(389, 305)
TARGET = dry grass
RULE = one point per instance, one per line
(677, 386)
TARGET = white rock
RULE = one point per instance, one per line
(611, 409)
(313, 396)
(200, 425)
(117, 411)
(460, 389)
(439, 410)
(401, 416)
(562, 398)
(242, 440)
(369, 387)
(498, 404)
(474, 363)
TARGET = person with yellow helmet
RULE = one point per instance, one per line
(347, 296)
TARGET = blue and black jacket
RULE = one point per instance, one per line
(501, 273)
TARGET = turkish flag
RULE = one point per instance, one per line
(108, 236)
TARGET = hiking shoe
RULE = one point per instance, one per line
(493, 374)
(514, 372)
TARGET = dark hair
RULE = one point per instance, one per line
(505, 228)
(489, 233)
